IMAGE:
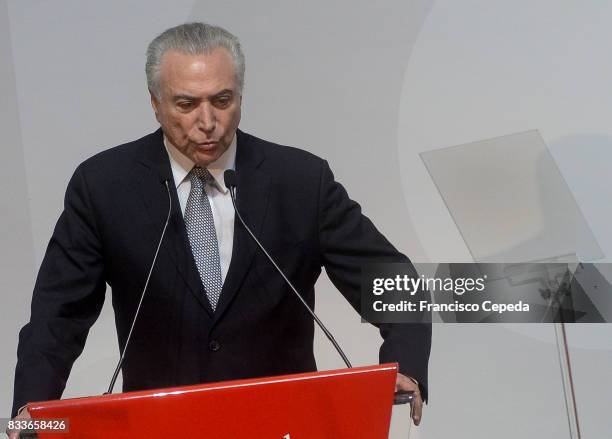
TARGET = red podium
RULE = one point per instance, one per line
(346, 403)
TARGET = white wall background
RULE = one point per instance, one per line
(367, 86)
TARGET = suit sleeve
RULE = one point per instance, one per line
(67, 299)
(348, 241)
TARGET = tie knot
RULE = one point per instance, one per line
(200, 176)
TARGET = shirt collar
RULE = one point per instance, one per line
(181, 164)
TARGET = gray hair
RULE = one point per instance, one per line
(193, 39)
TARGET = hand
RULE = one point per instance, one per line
(14, 434)
(405, 384)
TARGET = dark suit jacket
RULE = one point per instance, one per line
(115, 209)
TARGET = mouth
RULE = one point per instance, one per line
(207, 145)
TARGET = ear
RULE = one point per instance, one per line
(155, 104)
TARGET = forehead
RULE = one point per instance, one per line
(201, 74)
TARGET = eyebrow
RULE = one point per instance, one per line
(194, 98)
(226, 91)
(185, 97)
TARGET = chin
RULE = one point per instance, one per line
(204, 160)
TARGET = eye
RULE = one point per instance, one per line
(184, 105)
(223, 101)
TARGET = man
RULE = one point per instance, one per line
(215, 308)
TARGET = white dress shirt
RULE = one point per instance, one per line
(218, 196)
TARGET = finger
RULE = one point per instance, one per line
(417, 409)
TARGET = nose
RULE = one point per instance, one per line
(206, 118)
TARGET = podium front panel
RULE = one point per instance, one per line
(346, 403)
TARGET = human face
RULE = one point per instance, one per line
(199, 105)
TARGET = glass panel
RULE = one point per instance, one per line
(510, 202)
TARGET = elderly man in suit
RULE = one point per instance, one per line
(215, 308)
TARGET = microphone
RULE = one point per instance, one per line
(229, 177)
(164, 179)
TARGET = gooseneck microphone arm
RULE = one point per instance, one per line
(144, 289)
(230, 182)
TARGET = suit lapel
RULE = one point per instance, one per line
(155, 169)
(253, 187)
